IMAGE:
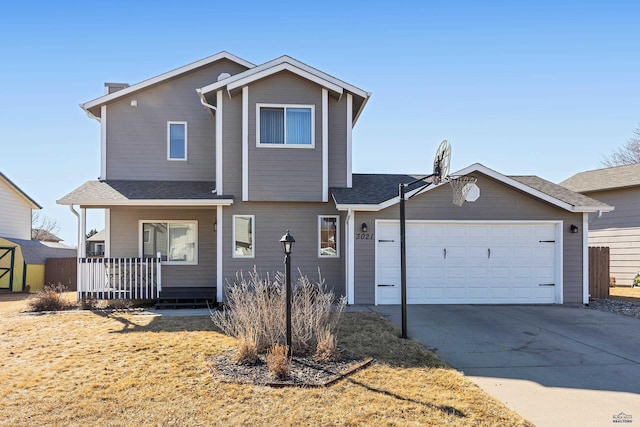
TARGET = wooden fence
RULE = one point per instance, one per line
(63, 271)
(598, 272)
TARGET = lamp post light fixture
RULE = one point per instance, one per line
(287, 245)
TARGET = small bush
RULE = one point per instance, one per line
(89, 303)
(278, 361)
(327, 348)
(120, 304)
(50, 299)
(247, 351)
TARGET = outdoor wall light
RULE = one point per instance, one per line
(134, 102)
(574, 228)
(364, 227)
(215, 226)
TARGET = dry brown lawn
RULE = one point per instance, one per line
(625, 293)
(86, 368)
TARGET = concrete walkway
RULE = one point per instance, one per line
(554, 365)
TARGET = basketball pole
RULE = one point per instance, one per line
(403, 263)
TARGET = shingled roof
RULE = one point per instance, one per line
(375, 189)
(131, 192)
(604, 179)
(36, 252)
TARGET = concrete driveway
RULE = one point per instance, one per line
(554, 365)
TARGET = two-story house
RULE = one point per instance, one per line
(208, 165)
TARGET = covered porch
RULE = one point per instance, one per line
(161, 240)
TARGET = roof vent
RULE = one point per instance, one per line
(114, 87)
(224, 76)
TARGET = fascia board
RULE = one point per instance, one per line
(165, 76)
(32, 203)
(149, 202)
(293, 62)
(285, 67)
(477, 167)
(355, 207)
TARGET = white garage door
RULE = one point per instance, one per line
(470, 263)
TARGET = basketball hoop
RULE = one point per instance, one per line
(461, 186)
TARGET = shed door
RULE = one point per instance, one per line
(470, 263)
(7, 258)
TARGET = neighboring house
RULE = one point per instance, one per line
(619, 230)
(95, 244)
(15, 210)
(44, 236)
(209, 164)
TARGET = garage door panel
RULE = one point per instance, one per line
(459, 263)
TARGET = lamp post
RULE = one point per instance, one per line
(287, 245)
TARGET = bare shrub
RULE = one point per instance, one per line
(88, 303)
(50, 299)
(256, 307)
(278, 361)
(247, 351)
(327, 348)
(120, 304)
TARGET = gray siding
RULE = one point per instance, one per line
(624, 251)
(627, 207)
(338, 142)
(137, 136)
(497, 202)
(126, 240)
(271, 223)
(232, 145)
(285, 174)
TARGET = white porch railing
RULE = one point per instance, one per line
(120, 278)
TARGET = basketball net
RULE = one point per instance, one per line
(461, 186)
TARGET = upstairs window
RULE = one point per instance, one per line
(285, 125)
(177, 141)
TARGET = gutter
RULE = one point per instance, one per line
(204, 102)
(90, 114)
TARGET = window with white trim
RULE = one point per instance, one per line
(176, 140)
(243, 236)
(328, 236)
(176, 241)
(285, 125)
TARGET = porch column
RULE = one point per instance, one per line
(219, 280)
(82, 238)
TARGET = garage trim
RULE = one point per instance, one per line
(558, 226)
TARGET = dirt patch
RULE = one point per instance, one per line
(304, 371)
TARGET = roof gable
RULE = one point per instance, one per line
(286, 63)
(368, 191)
(32, 203)
(604, 179)
(163, 77)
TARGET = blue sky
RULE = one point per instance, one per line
(545, 88)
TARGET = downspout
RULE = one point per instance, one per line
(211, 108)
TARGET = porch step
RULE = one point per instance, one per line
(187, 298)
